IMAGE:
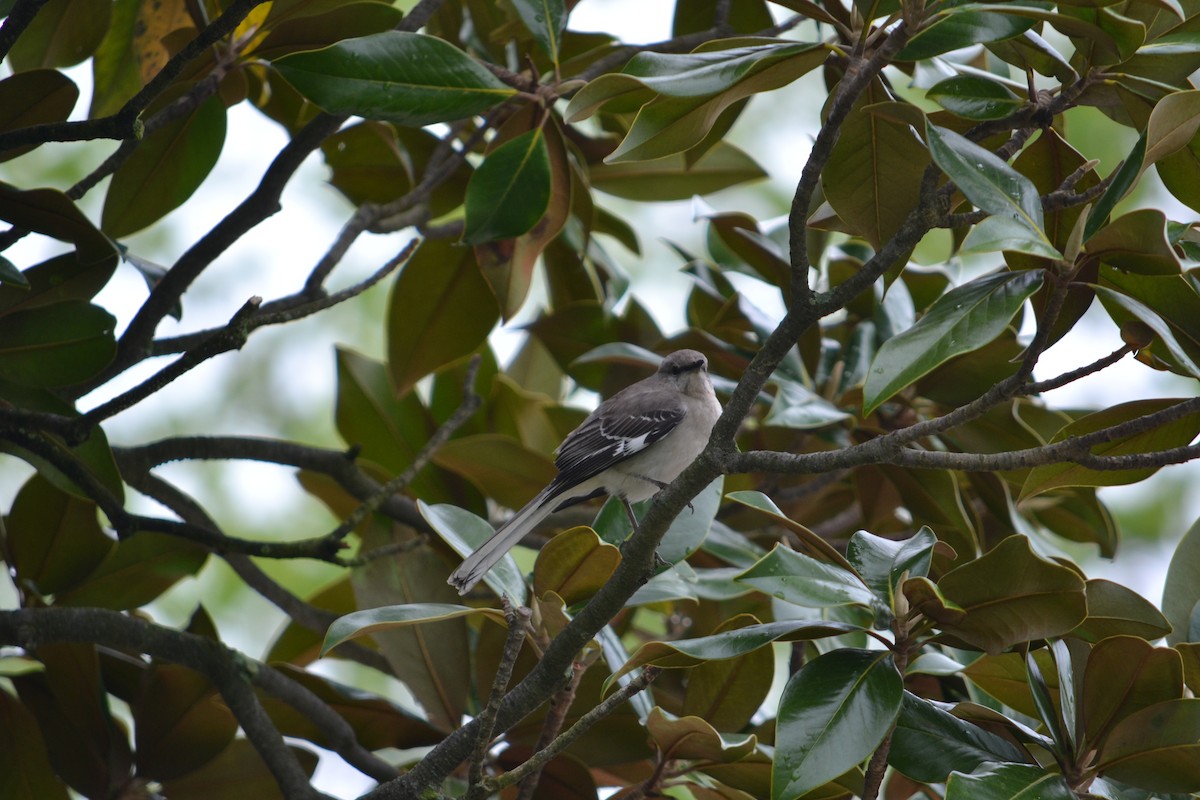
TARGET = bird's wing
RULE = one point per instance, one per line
(617, 430)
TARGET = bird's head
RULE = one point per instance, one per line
(688, 370)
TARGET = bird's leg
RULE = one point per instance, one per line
(661, 486)
(659, 561)
(633, 522)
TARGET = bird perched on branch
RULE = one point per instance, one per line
(633, 445)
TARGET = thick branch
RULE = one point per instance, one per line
(228, 670)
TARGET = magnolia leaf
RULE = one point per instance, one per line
(510, 191)
(1008, 782)
(973, 97)
(368, 621)
(833, 713)
(406, 78)
(960, 321)
(1181, 592)
(929, 743)
(1175, 433)
(1007, 596)
(802, 580)
(441, 310)
(546, 20)
(990, 184)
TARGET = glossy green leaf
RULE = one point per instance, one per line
(574, 565)
(389, 430)
(1173, 434)
(960, 321)
(406, 78)
(1124, 675)
(312, 31)
(58, 345)
(546, 20)
(25, 769)
(698, 74)
(464, 531)
(179, 721)
(727, 692)
(51, 212)
(882, 563)
(510, 191)
(693, 737)
(377, 722)
(1122, 181)
(500, 466)
(62, 34)
(993, 186)
(930, 742)
(687, 109)
(11, 275)
(1006, 678)
(1181, 591)
(87, 748)
(372, 620)
(1007, 596)
(1008, 782)
(874, 173)
(432, 659)
(1136, 242)
(1005, 234)
(833, 713)
(508, 266)
(1157, 748)
(973, 97)
(672, 178)
(813, 544)
(938, 500)
(165, 170)
(137, 571)
(368, 163)
(1173, 122)
(1174, 298)
(1051, 709)
(33, 98)
(1116, 610)
(802, 580)
(239, 768)
(441, 310)
(960, 28)
(730, 644)
(1120, 305)
(52, 540)
(795, 406)
(93, 455)
(123, 58)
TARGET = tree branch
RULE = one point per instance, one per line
(228, 670)
(123, 124)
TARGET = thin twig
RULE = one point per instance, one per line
(124, 123)
(469, 405)
(581, 726)
(518, 624)
(556, 715)
(303, 614)
(1099, 364)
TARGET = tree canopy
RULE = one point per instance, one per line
(863, 587)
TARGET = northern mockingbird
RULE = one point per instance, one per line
(631, 446)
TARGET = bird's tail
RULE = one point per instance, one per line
(487, 554)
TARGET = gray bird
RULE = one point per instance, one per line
(633, 445)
